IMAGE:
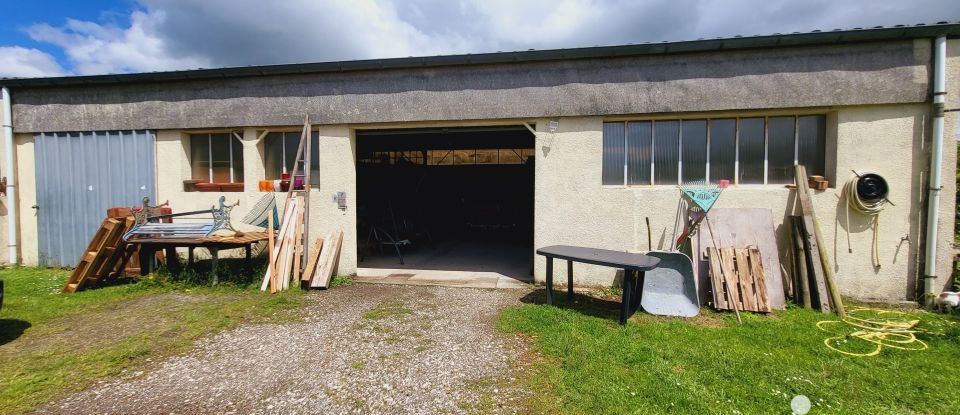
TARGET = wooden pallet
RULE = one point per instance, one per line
(745, 275)
(102, 255)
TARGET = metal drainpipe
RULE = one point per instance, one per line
(936, 161)
(11, 177)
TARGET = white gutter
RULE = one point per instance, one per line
(11, 177)
(930, 290)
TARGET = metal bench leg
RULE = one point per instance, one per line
(570, 280)
(549, 280)
(625, 301)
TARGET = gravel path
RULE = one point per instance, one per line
(363, 348)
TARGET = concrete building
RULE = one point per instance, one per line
(438, 147)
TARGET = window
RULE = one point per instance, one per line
(280, 150)
(216, 158)
(750, 150)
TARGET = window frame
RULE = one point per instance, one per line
(265, 153)
(709, 120)
(209, 136)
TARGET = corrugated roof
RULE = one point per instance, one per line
(816, 37)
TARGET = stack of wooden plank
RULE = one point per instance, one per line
(105, 257)
(286, 250)
(745, 279)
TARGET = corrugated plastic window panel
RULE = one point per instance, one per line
(812, 143)
(781, 149)
(751, 152)
(694, 147)
(723, 149)
(639, 152)
(613, 153)
(666, 151)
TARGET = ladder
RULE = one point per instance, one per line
(301, 164)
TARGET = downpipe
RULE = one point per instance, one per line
(930, 290)
(10, 177)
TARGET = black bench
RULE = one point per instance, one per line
(633, 265)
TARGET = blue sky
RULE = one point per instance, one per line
(62, 37)
(19, 14)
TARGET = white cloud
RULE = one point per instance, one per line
(95, 49)
(18, 62)
(182, 34)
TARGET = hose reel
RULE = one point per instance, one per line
(867, 194)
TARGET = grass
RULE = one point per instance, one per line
(387, 309)
(586, 364)
(52, 343)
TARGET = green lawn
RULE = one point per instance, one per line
(585, 363)
(53, 343)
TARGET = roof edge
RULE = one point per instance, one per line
(833, 37)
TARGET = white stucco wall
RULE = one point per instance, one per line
(572, 207)
(337, 173)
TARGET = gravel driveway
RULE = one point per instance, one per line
(363, 348)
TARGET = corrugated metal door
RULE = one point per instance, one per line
(79, 176)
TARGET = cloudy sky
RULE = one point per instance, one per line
(70, 37)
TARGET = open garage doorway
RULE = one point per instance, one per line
(446, 205)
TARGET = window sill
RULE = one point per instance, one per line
(216, 187)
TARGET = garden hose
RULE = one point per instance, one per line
(882, 328)
(866, 194)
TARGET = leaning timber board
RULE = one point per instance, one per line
(741, 228)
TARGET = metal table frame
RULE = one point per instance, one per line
(634, 267)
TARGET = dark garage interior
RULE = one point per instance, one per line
(446, 199)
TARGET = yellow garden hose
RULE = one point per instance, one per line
(867, 207)
(881, 328)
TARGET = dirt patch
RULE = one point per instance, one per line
(103, 326)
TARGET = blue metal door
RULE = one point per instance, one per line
(79, 176)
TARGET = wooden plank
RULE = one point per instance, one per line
(273, 254)
(756, 269)
(273, 284)
(330, 256)
(298, 246)
(747, 290)
(742, 227)
(719, 293)
(312, 261)
(815, 251)
(733, 280)
(325, 253)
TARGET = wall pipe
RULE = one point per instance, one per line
(10, 176)
(936, 161)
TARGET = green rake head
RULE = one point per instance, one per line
(703, 195)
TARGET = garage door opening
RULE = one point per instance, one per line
(445, 204)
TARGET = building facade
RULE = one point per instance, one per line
(616, 130)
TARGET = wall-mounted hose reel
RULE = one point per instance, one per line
(867, 194)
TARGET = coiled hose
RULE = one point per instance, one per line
(867, 194)
(873, 329)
